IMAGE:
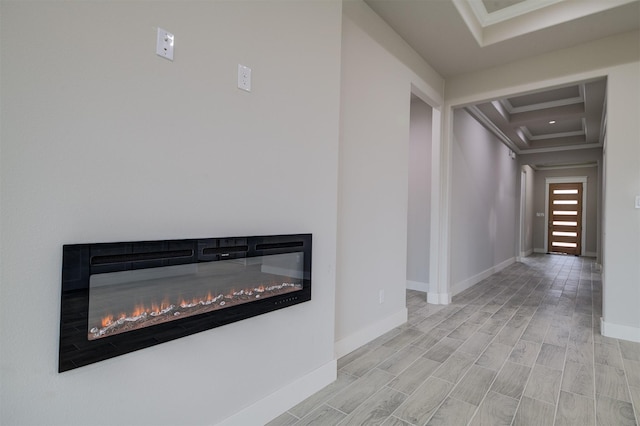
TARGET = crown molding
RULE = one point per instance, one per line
(525, 17)
(485, 18)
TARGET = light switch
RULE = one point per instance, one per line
(164, 44)
(244, 78)
(637, 201)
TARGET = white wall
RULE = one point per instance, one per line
(483, 203)
(102, 140)
(419, 209)
(621, 240)
(616, 58)
(374, 152)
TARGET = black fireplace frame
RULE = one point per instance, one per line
(80, 261)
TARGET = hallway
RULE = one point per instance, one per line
(522, 347)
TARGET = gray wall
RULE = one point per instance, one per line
(483, 202)
(419, 215)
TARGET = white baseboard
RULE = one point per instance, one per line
(618, 331)
(524, 254)
(364, 336)
(585, 254)
(438, 298)
(417, 285)
(270, 407)
(471, 281)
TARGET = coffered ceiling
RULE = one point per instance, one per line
(556, 119)
(463, 36)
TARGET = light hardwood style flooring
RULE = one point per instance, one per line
(522, 347)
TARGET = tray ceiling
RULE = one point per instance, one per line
(490, 33)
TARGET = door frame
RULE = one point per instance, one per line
(568, 179)
(521, 253)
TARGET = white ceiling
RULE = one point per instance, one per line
(452, 37)
(462, 36)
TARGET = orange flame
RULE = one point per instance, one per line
(107, 320)
(138, 310)
(155, 308)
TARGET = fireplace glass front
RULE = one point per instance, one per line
(128, 300)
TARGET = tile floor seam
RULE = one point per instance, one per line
(525, 385)
(469, 369)
(369, 397)
(564, 366)
(454, 384)
(628, 388)
(297, 418)
(593, 348)
(496, 377)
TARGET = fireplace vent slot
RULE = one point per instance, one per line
(140, 257)
(225, 250)
(273, 246)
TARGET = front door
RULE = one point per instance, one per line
(565, 218)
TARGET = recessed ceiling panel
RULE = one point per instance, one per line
(554, 95)
(560, 126)
(494, 5)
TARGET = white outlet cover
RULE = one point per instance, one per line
(164, 44)
(244, 78)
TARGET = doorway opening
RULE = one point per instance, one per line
(565, 212)
(419, 203)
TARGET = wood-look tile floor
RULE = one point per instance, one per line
(522, 347)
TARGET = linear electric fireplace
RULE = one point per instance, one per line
(121, 297)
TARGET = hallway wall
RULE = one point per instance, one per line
(483, 203)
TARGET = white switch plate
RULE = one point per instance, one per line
(244, 78)
(164, 44)
(637, 201)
